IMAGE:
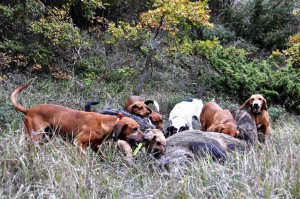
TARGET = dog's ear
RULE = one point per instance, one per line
(264, 105)
(150, 111)
(118, 128)
(131, 107)
(220, 128)
(212, 129)
(246, 104)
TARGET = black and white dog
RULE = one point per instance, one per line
(182, 115)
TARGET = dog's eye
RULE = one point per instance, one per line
(158, 143)
(135, 129)
(259, 99)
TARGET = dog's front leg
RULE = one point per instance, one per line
(125, 147)
(81, 148)
(85, 139)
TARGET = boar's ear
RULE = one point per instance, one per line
(117, 130)
(171, 130)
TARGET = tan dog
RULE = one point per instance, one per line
(155, 145)
(136, 106)
(259, 109)
(87, 128)
(214, 118)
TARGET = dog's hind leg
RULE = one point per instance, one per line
(34, 132)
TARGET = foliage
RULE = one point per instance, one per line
(240, 77)
(266, 23)
(291, 54)
(58, 29)
(45, 33)
(169, 21)
(224, 35)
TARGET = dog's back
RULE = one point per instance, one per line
(183, 113)
(207, 114)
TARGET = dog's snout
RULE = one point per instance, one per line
(146, 138)
(255, 105)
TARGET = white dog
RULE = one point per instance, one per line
(182, 115)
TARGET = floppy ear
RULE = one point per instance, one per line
(264, 105)
(149, 109)
(131, 107)
(220, 128)
(246, 104)
(118, 128)
(212, 129)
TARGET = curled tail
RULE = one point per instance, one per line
(14, 97)
(154, 103)
(88, 105)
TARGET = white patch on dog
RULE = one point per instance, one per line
(182, 114)
(156, 105)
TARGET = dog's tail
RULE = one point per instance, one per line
(153, 102)
(14, 97)
(88, 105)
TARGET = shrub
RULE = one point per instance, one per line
(224, 35)
(268, 24)
(240, 77)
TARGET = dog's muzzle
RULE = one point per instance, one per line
(135, 143)
(256, 108)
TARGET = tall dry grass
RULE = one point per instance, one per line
(54, 170)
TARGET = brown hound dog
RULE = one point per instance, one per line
(156, 139)
(87, 128)
(214, 118)
(136, 106)
(259, 111)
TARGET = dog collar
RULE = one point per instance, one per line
(120, 116)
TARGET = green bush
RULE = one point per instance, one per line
(240, 77)
(224, 35)
(267, 23)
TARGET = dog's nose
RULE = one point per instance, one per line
(255, 106)
(146, 138)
